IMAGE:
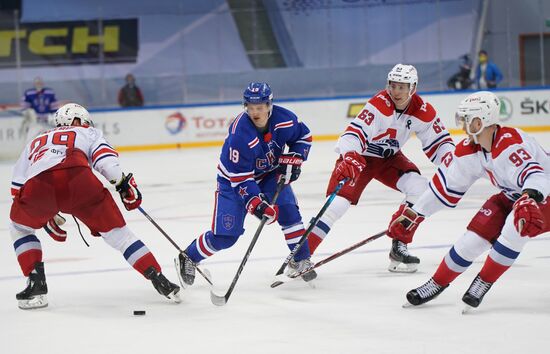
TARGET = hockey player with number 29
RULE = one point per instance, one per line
(53, 174)
(370, 148)
(252, 161)
(514, 163)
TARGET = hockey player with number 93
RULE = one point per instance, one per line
(54, 174)
(514, 163)
(252, 161)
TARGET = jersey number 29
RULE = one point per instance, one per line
(59, 138)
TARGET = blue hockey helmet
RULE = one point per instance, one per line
(257, 92)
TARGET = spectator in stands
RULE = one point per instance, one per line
(130, 95)
(461, 80)
(488, 75)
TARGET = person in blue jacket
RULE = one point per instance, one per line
(488, 75)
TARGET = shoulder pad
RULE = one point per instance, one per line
(421, 110)
(466, 147)
(504, 138)
(383, 103)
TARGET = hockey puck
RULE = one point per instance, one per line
(139, 313)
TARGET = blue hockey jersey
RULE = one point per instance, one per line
(248, 155)
(43, 101)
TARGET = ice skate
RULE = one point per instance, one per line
(186, 269)
(473, 297)
(163, 285)
(399, 254)
(34, 295)
(296, 267)
(424, 293)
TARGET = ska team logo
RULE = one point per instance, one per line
(175, 123)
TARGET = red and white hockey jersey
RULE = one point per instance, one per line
(378, 120)
(50, 148)
(516, 162)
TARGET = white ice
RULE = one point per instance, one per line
(355, 307)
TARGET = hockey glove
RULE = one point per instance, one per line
(404, 223)
(290, 167)
(129, 193)
(384, 148)
(259, 207)
(351, 166)
(53, 228)
(528, 218)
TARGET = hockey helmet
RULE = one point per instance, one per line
(404, 74)
(484, 105)
(257, 92)
(66, 114)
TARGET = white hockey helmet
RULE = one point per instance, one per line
(484, 105)
(66, 114)
(405, 74)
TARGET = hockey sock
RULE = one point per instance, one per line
(498, 261)
(451, 267)
(334, 212)
(317, 235)
(207, 244)
(134, 251)
(27, 247)
(293, 235)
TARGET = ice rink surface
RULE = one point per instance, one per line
(355, 306)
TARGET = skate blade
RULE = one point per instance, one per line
(395, 267)
(467, 309)
(407, 305)
(175, 296)
(37, 302)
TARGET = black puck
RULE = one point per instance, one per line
(139, 313)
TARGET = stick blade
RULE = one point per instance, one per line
(217, 299)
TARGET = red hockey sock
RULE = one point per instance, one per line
(314, 241)
(146, 261)
(444, 275)
(492, 270)
(28, 259)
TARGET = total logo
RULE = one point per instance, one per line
(175, 123)
(200, 125)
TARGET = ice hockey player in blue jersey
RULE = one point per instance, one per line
(38, 105)
(251, 163)
(41, 99)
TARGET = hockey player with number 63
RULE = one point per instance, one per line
(53, 175)
(252, 161)
(514, 163)
(370, 148)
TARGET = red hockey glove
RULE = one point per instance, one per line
(351, 166)
(259, 207)
(129, 193)
(404, 223)
(53, 228)
(290, 167)
(528, 218)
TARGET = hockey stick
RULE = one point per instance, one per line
(278, 279)
(341, 253)
(203, 273)
(222, 300)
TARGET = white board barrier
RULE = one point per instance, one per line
(195, 126)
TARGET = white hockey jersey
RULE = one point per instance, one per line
(378, 120)
(50, 149)
(516, 162)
